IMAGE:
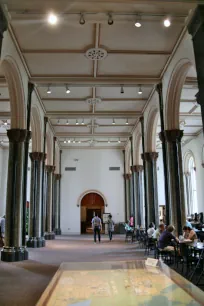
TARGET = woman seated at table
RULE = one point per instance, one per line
(189, 233)
(151, 230)
(167, 240)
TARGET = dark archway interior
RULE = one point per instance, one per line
(91, 204)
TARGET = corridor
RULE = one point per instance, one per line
(22, 283)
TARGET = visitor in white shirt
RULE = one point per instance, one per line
(151, 230)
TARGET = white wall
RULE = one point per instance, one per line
(92, 174)
(196, 146)
(160, 178)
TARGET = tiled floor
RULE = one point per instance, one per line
(23, 283)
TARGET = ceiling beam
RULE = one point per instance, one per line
(88, 135)
(96, 125)
(105, 114)
(110, 100)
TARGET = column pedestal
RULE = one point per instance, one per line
(13, 249)
(49, 234)
(175, 178)
(35, 217)
(152, 192)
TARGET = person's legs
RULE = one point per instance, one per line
(95, 230)
(99, 235)
(111, 235)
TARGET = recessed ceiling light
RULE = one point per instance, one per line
(113, 121)
(77, 123)
(110, 19)
(67, 89)
(127, 122)
(140, 90)
(67, 122)
(49, 90)
(167, 22)
(52, 19)
(82, 20)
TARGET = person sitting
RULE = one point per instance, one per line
(188, 224)
(167, 240)
(159, 231)
(151, 230)
(189, 233)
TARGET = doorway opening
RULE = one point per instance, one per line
(91, 204)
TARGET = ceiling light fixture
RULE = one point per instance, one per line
(83, 122)
(79, 141)
(138, 21)
(6, 123)
(82, 20)
(122, 90)
(52, 19)
(108, 140)
(65, 141)
(67, 123)
(113, 121)
(110, 19)
(167, 22)
(119, 140)
(140, 90)
(77, 123)
(74, 141)
(2, 141)
(69, 141)
(58, 121)
(49, 90)
(127, 122)
(67, 89)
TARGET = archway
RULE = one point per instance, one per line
(92, 203)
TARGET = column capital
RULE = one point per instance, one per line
(149, 156)
(50, 168)
(197, 20)
(57, 176)
(3, 22)
(162, 136)
(127, 176)
(137, 168)
(17, 135)
(173, 135)
(45, 120)
(159, 88)
(36, 156)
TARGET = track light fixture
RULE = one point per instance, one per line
(77, 123)
(82, 20)
(79, 141)
(6, 123)
(49, 90)
(167, 22)
(65, 141)
(110, 19)
(119, 140)
(83, 122)
(2, 141)
(122, 90)
(67, 89)
(58, 121)
(74, 141)
(67, 123)
(69, 141)
(127, 122)
(113, 121)
(138, 21)
(140, 90)
(108, 140)
(52, 19)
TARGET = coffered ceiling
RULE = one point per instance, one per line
(55, 56)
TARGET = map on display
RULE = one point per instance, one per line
(126, 287)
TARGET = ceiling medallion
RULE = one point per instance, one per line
(93, 101)
(96, 54)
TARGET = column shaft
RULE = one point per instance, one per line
(137, 170)
(57, 204)
(175, 178)
(13, 250)
(49, 232)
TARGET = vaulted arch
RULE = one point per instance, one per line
(151, 130)
(36, 128)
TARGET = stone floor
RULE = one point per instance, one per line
(23, 283)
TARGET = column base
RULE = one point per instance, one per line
(12, 254)
(58, 231)
(34, 242)
(49, 236)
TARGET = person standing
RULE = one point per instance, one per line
(110, 227)
(96, 225)
(3, 228)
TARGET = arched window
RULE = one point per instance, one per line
(192, 190)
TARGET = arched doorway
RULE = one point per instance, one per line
(91, 203)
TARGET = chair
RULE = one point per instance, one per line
(149, 245)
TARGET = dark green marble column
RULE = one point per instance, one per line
(49, 234)
(13, 250)
(57, 178)
(36, 240)
(127, 178)
(175, 178)
(152, 192)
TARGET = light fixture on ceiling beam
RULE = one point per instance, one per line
(127, 122)
(69, 141)
(140, 90)
(5, 123)
(74, 141)
(119, 141)
(79, 141)
(122, 90)
(65, 141)
(110, 19)
(67, 122)
(82, 20)
(113, 123)
(58, 121)
(49, 90)
(108, 140)
(138, 21)
(67, 89)
(52, 19)
(83, 122)
(167, 22)
(2, 141)
(77, 123)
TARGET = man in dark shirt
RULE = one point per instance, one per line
(167, 239)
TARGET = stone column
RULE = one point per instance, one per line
(175, 178)
(187, 181)
(35, 217)
(196, 29)
(13, 250)
(127, 178)
(49, 235)
(57, 178)
(139, 215)
(152, 192)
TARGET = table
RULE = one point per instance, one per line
(119, 284)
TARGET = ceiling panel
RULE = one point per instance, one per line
(65, 64)
(4, 106)
(191, 130)
(140, 65)
(69, 129)
(113, 129)
(71, 121)
(189, 93)
(119, 106)
(129, 92)
(65, 106)
(186, 107)
(4, 93)
(60, 92)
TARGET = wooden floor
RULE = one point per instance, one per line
(23, 283)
